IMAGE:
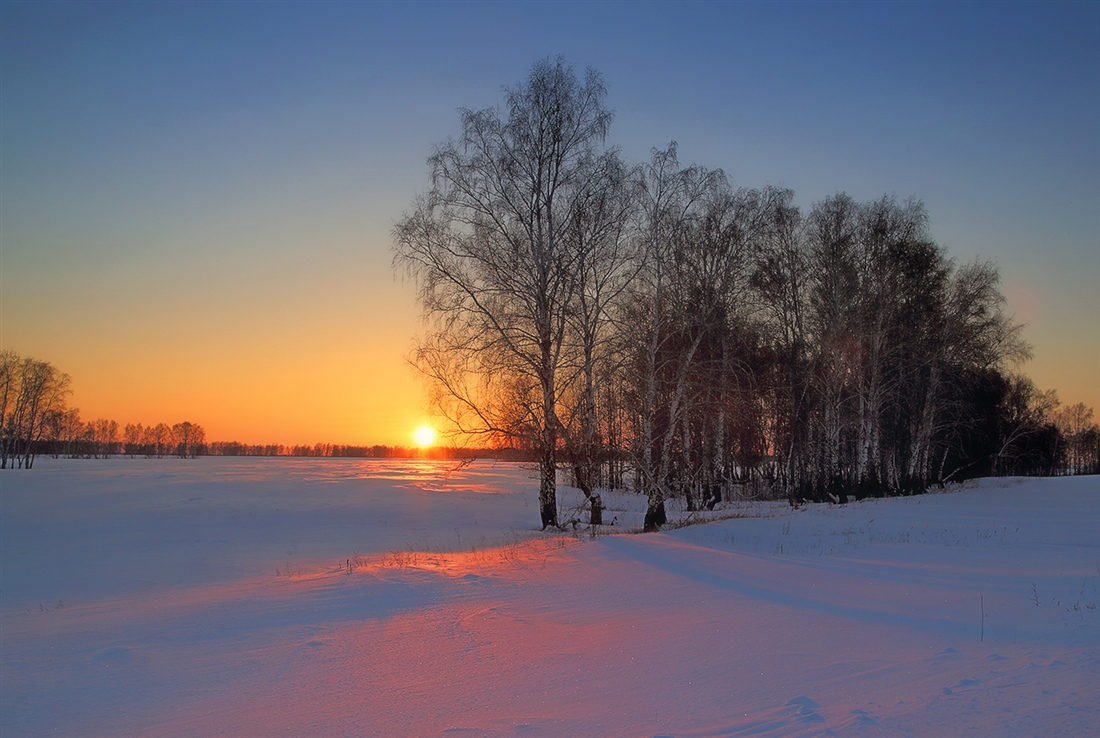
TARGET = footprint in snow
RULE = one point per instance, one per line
(947, 654)
(804, 709)
(962, 683)
(863, 718)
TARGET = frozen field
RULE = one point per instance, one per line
(332, 597)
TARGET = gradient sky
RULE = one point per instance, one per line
(196, 199)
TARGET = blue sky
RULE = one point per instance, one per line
(196, 199)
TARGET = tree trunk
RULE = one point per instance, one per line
(655, 514)
(548, 488)
(596, 515)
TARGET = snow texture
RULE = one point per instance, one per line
(333, 597)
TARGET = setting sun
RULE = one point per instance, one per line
(425, 436)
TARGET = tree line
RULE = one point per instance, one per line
(35, 419)
(336, 450)
(655, 321)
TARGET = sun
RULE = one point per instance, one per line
(425, 436)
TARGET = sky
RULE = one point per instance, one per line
(196, 199)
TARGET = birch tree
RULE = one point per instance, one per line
(31, 393)
(489, 248)
(605, 263)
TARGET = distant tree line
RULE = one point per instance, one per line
(330, 450)
(35, 420)
(656, 322)
(101, 439)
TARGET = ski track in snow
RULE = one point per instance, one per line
(245, 597)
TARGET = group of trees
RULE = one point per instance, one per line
(336, 450)
(32, 398)
(655, 323)
(1039, 435)
(608, 316)
(68, 435)
(35, 419)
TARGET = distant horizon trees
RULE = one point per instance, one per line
(101, 439)
(709, 338)
(1027, 432)
(376, 451)
(35, 419)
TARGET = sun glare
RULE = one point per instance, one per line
(425, 436)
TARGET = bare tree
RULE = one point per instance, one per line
(662, 343)
(101, 436)
(1028, 442)
(131, 438)
(9, 395)
(69, 432)
(31, 393)
(967, 332)
(605, 262)
(157, 440)
(832, 243)
(1079, 434)
(187, 439)
(489, 247)
(698, 239)
(781, 280)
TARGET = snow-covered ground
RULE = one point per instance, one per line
(333, 597)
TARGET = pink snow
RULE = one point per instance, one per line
(358, 598)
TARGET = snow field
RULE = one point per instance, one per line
(352, 598)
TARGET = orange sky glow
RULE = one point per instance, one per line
(197, 200)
